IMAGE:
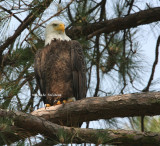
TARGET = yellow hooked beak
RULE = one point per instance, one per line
(61, 27)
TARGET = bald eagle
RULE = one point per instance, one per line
(60, 69)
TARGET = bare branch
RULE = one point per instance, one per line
(12, 14)
(107, 26)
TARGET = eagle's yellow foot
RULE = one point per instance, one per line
(58, 102)
(71, 99)
(47, 105)
(64, 101)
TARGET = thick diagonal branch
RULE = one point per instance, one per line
(94, 108)
(130, 21)
(37, 125)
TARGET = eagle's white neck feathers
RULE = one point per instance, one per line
(52, 32)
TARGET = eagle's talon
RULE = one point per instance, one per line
(47, 105)
(64, 101)
(58, 102)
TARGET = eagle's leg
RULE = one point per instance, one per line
(46, 105)
(64, 101)
(60, 100)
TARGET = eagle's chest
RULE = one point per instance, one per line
(59, 72)
(58, 65)
(61, 61)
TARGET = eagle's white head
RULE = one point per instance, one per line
(55, 30)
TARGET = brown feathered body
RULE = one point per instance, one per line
(60, 71)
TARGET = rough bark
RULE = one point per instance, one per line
(95, 108)
(130, 21)
(63, 134)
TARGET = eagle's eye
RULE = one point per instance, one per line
(54, 24)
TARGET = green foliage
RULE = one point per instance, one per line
(82, 15)
(102, 137)
(22, 56)
(150, 123)
(5, 124)
(63, 137)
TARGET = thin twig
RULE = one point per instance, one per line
(146, 89)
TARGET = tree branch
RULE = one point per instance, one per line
(63, 134)
(95, 108)
(130, 21)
